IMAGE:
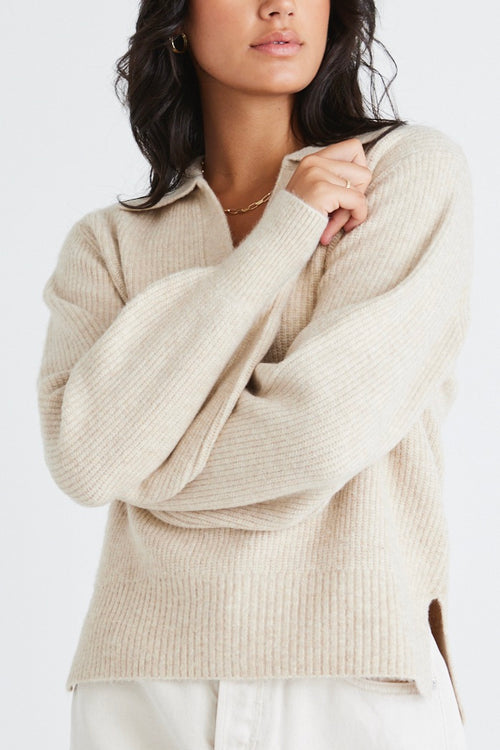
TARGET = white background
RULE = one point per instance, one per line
(67, 149)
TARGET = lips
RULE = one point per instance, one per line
(278, 44)
(278, 38)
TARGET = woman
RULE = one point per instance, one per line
(251, 367)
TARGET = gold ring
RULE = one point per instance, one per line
(347, 184)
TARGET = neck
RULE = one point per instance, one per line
(246, 139)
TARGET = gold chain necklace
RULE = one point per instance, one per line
(251, 207)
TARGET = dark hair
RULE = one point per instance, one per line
(162, 95)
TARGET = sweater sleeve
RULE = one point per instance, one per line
(356, 378)
(120, 383)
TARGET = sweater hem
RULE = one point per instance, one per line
(351, 623)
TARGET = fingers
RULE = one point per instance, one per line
(327, 192)
(350, 150)
(334, 180)
(342, 218)
(350, 225)
(335, 224)
(359, 176)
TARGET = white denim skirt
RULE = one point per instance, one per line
(323, 713)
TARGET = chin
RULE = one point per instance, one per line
(281, 85)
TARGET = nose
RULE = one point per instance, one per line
(277, 8)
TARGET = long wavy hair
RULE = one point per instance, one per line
(160, 89)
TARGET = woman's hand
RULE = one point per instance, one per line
(320, 180)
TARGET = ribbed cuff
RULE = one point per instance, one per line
(274, 252)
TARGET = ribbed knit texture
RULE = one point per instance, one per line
(264, 423)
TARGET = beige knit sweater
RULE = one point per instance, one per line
(264, 423)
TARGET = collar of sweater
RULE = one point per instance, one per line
(193, 176)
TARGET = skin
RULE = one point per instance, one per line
(247, 99)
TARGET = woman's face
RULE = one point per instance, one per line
(258, 47)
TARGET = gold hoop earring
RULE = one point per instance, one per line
(173, 40)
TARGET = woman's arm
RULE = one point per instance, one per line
(119, 384)
(357, 377)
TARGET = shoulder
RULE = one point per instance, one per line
(105, 224)
(411, 145)
(100, 218)
(118, 216)
(95, 237)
